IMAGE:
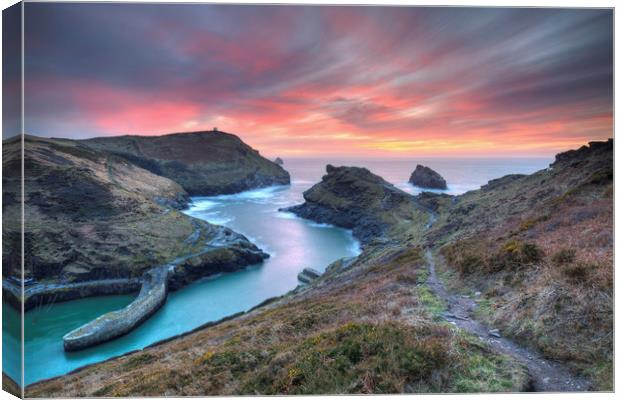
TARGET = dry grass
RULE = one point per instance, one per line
(559, 298)
(368, 329)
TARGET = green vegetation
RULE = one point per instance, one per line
(434, 305)
(367, 358)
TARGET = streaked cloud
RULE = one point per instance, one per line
(308, 80)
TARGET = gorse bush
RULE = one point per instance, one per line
(529, 223)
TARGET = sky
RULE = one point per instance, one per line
(317, 81)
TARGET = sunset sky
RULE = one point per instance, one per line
(307, 81)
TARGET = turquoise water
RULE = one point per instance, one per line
(292, 243)
(11, 342)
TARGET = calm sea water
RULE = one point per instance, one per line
(292, 243)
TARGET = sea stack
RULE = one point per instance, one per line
(427, 178)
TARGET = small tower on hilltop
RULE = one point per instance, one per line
(214, 129)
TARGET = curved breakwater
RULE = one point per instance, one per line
(117, 323)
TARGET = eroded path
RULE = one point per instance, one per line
(547, 376)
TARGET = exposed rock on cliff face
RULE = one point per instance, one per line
(225, 251)
(354, 198)
(203, 163)
(425, 177)
(92, 216)
(278, 161)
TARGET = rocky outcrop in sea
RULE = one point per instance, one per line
(427, 178)
(355, 198)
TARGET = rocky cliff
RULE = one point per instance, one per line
(91, 215)
(203, 163)
(354, 198)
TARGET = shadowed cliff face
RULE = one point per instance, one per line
(203, 163)
(90, 214)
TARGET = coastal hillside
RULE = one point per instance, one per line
(91, 215)
(586, 174)
(507, 288)
(539, 248)
(203, 163)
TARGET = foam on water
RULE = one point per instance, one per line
(355, 247)
(201, 204)
(320, 225)
(255, 194)
(290, 215)
(454, 189)
(215, 218)
(285, 215)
